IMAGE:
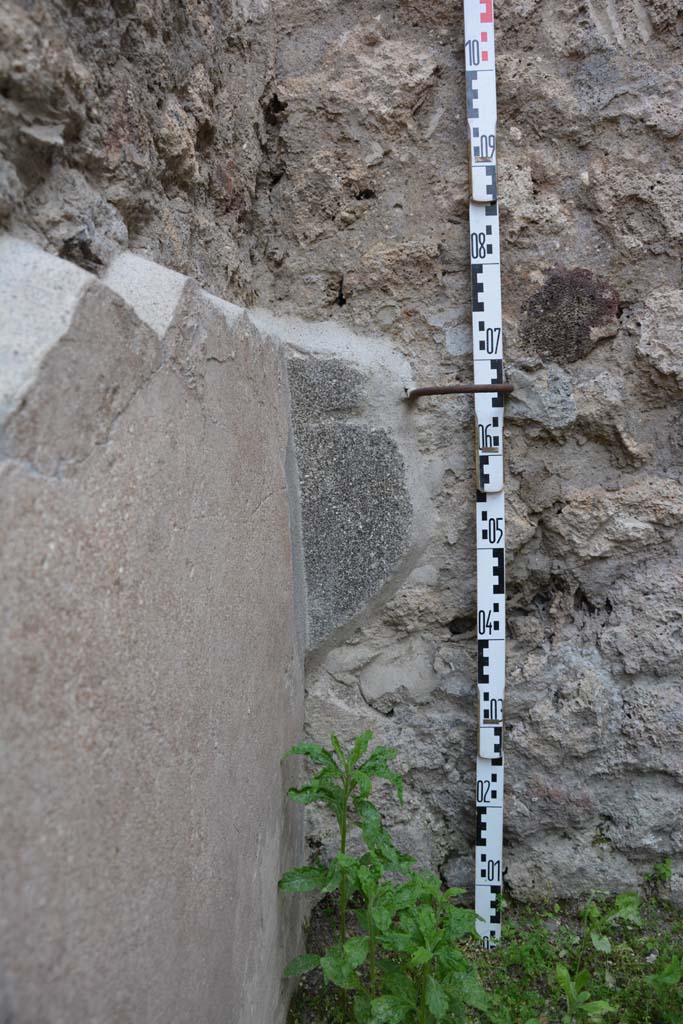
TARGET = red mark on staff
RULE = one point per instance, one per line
(487, 14)
(484, 37)
(484, 54)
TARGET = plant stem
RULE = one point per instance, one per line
(342, 886)
(584, 933)
(371, 936)
(423, 995)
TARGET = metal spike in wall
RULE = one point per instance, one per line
(489, 390)
(487, 343)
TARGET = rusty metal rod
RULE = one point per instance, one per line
(460, 389)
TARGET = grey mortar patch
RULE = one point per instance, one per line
(355, 508)
(321, 386)
(572, 312)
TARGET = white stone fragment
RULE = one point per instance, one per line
(153, 291)
(38, 297)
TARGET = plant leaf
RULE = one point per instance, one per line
(356, 950)
(364, 783)
(338, 970)
(389, 1010)
(459, 923)
(362, 1011)
(397, 982)
(671, 973)
(394, 778)
(565, 981)
(437, 1000)
(316, 753)
(379, 758)
(332, 794)
(341, 865)
(381, 918)
(420, 956)
(627, 907)
(303, 879)
(601, 942)
(359, 747)
(581, 980)
(452, 958)
(338, 749)
(474, 993)
(303, 794)
(399, 942)
(598, 1008)
(426, 920)
(301, 965)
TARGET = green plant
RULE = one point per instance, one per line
(597, 921)
(660, 875)
(666, 984)
(407, 963)
(428, 976)
(580, 1005)
(344, 783)
(578, 986)
(408, 954)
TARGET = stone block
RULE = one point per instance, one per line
(151, 672)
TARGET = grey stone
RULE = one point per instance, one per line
(661, 344)
(11, 189)
(406, 664)
(595, 523)
(643, 633)
(543, 398)
(47, 135)
(78, 223)
(557, 867)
